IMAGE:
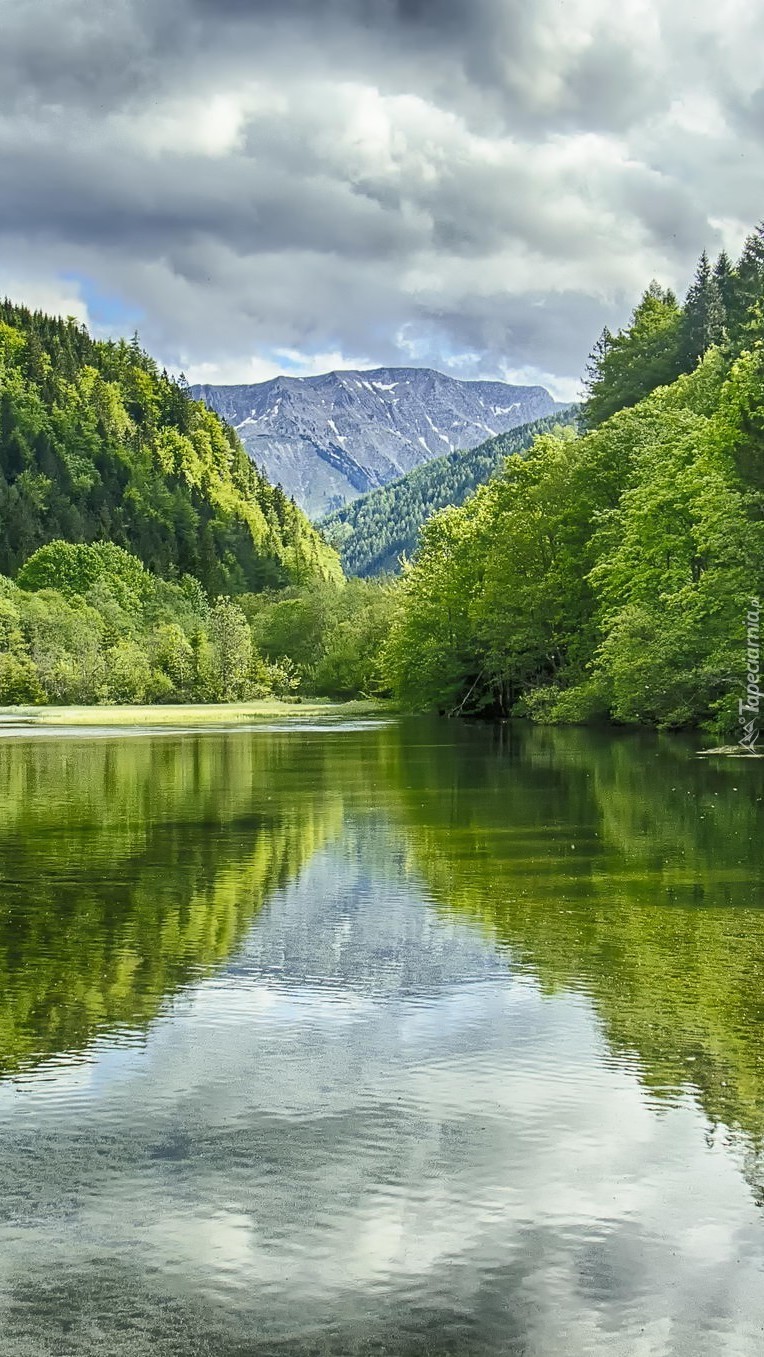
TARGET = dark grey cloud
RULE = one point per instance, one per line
(477, 182)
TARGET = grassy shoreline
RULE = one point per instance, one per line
(187, 714)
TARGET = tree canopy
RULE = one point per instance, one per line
(609, 575)
(98, 444)
(88, 623)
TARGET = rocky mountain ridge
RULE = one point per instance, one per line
(331, 438)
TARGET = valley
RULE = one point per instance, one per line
(327, 440)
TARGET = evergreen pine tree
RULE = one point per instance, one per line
(724, 278)
(748, 286)
(704, 315)
(625, 367)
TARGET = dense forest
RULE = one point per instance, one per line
(609, 576)
(374, 533)
(87, 623)
(98, 444)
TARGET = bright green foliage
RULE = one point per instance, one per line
(19, 682)
(73, 568)
(231, 650)
(431, 654)
(333, 635)
(627, 366)
(609, 576)
(679, 560)
(96, 444)
(113, 632)
(375, 532)
(602, 576)
(497, 598)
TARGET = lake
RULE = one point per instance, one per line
(398, 1037)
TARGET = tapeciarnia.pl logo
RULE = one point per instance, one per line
(750, 707)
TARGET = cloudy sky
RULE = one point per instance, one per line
(294, 185)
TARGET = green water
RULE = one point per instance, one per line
(385, 1038)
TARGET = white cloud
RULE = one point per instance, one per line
(57, 296)
(562, 388)
(328, 182)
(283, 362)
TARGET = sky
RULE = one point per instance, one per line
(265, 186)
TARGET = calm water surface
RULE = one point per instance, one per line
(410, 1038)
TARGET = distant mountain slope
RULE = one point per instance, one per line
(374, 532)
(329, 439)
(97, 444)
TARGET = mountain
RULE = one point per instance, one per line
(329, 439)
(373, 532)
(98, 444)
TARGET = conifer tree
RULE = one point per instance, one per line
(748, 285)
(725, 281)
(624, 368)
(703, 317)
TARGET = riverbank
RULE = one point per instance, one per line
(188, 714)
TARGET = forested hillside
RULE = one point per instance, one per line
(87, 623)
(97, 444)
(373, 533)
(610, 575)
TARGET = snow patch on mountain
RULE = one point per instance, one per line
(331, 438)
